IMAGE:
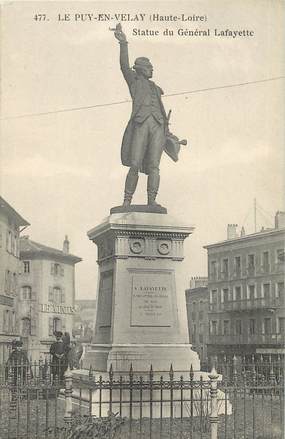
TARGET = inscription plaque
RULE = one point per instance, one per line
(152, 299)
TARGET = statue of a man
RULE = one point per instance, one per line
(145, 135)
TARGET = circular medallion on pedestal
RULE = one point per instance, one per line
(163, 247)
(137, 246)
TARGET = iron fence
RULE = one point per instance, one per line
(253, 368)
(35, 404)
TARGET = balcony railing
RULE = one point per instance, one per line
(246, 304)
(270, 339)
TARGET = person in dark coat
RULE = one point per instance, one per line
(145, 135)
(59, 361)
(17, 365)
(75, 354)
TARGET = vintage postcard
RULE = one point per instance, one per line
(168, 116)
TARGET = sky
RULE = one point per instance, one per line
(61, 171)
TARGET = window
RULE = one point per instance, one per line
(201, 315)
(214, 299)
(279, 289)
(26, 293)
(56, 295)
(251, 265)
(237, 291)
(214, 327)
(10, 322)
(265, 262)
(226, 327)
(266, 291)
(281, 325)
(56, 269)
(225, 268)
(57, 324)
(7, 281)
(26, 326)
(213, 271)
(237, 266)
(225, 295)
(267, 325)
(251, 261)
(238, 327)
(251, 327)
(26, 266)
(280, 255)
(251, 292)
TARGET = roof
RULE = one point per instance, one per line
(11, 212)
(252, 236)
(29, 248)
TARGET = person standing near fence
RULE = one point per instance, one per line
(59, 353)
(18, 364)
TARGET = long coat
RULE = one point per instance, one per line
(138, 87)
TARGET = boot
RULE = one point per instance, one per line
(130, 186)
(152, 188)
(151, 199)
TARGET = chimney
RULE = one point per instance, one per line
(279, 219)
(242, 232)
(232, 231)
(65, 245)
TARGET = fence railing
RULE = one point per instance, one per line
(35, 402)
(253, 368)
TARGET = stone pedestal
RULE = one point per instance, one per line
(141, 310)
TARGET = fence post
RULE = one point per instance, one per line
(214, 403)
(68, 396)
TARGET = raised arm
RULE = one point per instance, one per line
(128, 73)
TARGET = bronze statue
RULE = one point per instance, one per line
(147, 133)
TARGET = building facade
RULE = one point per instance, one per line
(197, 303)
(11, 224)
(46, 294)
(246, 293)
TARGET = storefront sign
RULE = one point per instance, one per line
(57, 309)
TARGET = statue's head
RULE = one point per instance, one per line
(143, 67)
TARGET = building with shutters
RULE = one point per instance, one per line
(246, 293)
(46, 294)
(11, 224)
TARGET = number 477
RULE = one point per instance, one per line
(40, 17)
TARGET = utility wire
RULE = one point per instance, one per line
(246, 217)
(266, 216)
(44, 113)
